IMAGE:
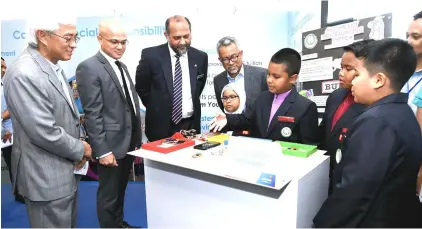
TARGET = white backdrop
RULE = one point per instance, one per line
(261, 29)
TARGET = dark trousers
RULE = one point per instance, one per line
(184, 124)
(111, 191)
(7, 154)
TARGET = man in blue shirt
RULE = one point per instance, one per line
(413, 86)
(7, 130)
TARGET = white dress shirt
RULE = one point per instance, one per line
(238, 80)
(187, 104)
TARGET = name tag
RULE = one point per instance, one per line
(286, 119)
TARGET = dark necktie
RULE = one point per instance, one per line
(176, 115)
(127, 93)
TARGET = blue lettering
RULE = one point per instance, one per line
(19, 35)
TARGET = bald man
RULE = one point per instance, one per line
(113, 121)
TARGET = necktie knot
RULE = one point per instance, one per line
(118, 63)
(177, 55)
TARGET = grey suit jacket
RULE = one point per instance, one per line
(46, 129)
(108, 117)
(255, 83)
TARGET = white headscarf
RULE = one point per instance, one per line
(240, 92)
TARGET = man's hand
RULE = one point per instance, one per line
(7, 136)
(108, 161)
(87, 151)
(419, 181)
(218, 122)
(80, 164)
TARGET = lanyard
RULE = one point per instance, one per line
(414, 85)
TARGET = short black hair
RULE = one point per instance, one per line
(177, 18)
(289, 57)
(2, 59)
(356, 47)
(417, 16)
(393, 57)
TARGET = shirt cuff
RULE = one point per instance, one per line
(104, 155)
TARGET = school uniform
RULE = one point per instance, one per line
(375, 175)
(340, 111)
(286, 117)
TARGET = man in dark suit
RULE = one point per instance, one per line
(170, 79)
(280, 113)
(252, 79)
(377, 164)
(113, 120)
(341, 108)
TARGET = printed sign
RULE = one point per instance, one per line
(329, 86)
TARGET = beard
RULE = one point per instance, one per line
(181, 49)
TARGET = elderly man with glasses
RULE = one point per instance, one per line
(252, 79)
(46, 144)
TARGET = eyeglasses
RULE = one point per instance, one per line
(229, 98)
(116, 42)
(68, 39)
(232, 58)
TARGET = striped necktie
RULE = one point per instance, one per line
(176, 115)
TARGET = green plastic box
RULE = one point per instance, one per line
(296, 149)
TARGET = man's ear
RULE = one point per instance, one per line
(379, 80)
(167, 36)
(42, 36)
(293, 79)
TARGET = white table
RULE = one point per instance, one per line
(186, 192)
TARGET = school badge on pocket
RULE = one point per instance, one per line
(286, 132)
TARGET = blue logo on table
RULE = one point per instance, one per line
(267, 179)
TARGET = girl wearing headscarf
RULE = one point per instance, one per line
(234, 100)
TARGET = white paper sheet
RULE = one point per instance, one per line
(83, 170)
(316, 69)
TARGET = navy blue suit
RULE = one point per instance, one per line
(330, 138)
(154, 85)
(375, 180)
(304, 129)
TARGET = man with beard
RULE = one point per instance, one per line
(170, 79)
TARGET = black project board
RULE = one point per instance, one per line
(322, 50)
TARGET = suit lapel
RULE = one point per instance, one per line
(283, 109)
(267, 103)
(192, 72)
(75, 108)
(354, 110)
(167, 68)
(111, 72)
(52, 76)
(248, 78)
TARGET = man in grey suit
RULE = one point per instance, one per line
(112, 115)
(252, 79)
(45, 119)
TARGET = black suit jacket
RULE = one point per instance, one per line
(255, 83)
(304, 128)
(107, 114)
(154, 84)
(375, 181)
(330, 138)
